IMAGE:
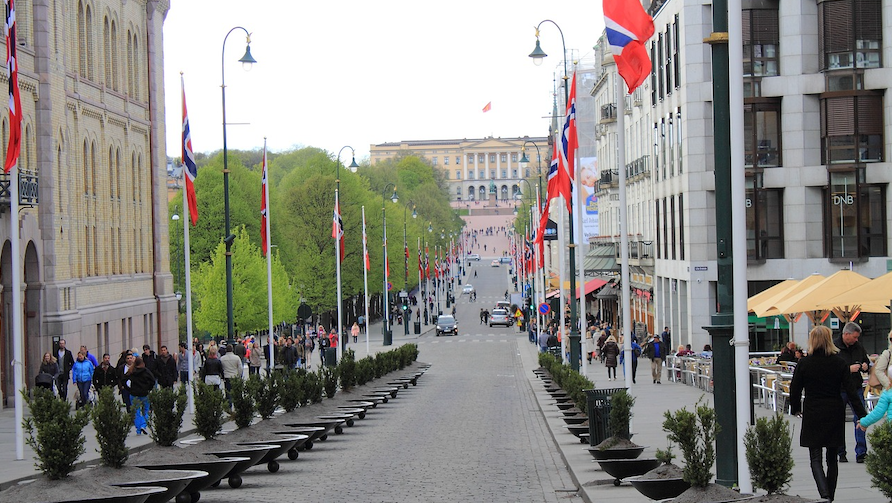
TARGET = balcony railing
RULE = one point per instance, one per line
(608, 113)
(28, 190)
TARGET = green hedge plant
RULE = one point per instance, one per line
(769, 453)
(59, 440)
(112, 423)
(209, 410)
(267, 393)
(243, 405)
(166, 409)
(695, 433)
(879, 462)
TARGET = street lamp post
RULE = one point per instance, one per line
(406, 309)
(342, 340)
(388, 336)
(246, 60)
(575, 351)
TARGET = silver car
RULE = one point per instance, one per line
(500, 317)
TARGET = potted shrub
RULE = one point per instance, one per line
(208, 418)
(267, 392)
(879, 463)
(695, 433)
(619, 445)
(59, 439)
(330, 380)
(166, 409)
(112, 423)
(291, 390)
(664, 481)
(768, 454)
(243, 405)
(347, 370)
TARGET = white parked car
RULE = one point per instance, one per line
(474, 256)
(467, 289)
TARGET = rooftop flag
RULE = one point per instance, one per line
(488, 107)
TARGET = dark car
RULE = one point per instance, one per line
(446, 325)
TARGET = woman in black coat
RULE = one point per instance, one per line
(611, 354)
(822, 374)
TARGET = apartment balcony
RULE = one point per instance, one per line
(608, 113)
(640, 250)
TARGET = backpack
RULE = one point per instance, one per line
(636, 352)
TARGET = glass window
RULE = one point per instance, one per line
(678, 138)
(855, 216)
(492, 173)
(445, 160)
(762, 132)
(852, 128)
(471, 175)
(764, 222)
(458, 174)
(492, 158)
(851, 33)
(435, 161)
(659, 228)
(514, 157)
(470, 158)
(503, 157)
(504, 173)
(514, 173)
(761, 37)
(457, 159)
(481, 158)
(681, 226)
(446, 174)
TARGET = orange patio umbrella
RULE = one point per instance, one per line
(871, 297)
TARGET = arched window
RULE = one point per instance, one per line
(117, 173)
(112, 185)
(136, 60)
(134, 177)
(93, 169)
(86, 160)
(114, 56)
(81, 40)
(27, 153)
(106, 52)
(88, 31)
(471, 192)
(129, 63)
(482, 192)
(504, 192)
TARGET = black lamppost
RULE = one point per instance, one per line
(247, 60)
(406, 309)
(575, 351)
(388, 336)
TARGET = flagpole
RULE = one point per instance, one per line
(187, 254)
(419, 278)
(626, 295)
(18, 342)
(269, 266)
(365, 282)
(339, 351)
(562, 245)
(580, 264)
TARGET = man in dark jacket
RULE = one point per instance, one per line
(289, 356)
(166, 369)
(65, 361)
(139, 381)
(105, 374)
(150, 359)
(124, 364)
(855, 356)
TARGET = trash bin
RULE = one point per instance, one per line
(417, 325)
(331, 357)
(597, 403)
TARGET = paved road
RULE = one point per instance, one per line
(470, 431)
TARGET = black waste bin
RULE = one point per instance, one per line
(597, 402)
(417, 325)
(331, 357)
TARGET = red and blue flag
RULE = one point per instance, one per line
(628, 28)
(190, 170)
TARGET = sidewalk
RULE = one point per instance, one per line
(652, 400)
(16, 470)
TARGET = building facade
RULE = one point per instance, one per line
(816, 155)
(94, 246)
(472, 168)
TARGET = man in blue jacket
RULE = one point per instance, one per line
(655, 351)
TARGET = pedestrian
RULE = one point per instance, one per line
(361, 321)
(105, 375)
(354, 331)
(150, 359)
(212, 371)
(543, 341)
(589, 344)
(333, 338)
(232, 368)
(65, 360)
(820, 375)
(855, 356)
(166, 368)
(88, 356)
(636, 352)
(125, 363)
(611, 356)
(139, 381)
(666, 336)
(82, 374)
(241, 350)
(49, 372)
(879, 410)
(183, 363)
(655, 350)
(289, 356)
(254, 359)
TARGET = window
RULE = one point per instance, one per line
(527, 172)
(503, 157)
(665, 229)
(851, 33)
(678, 138)
(434, 161)
(471, 175)
(852, 128)
(855, 217)
(492, 173)
(492, 158)
(504, 173)
(482, 192)
(446, 174)
(668, 59)
(445, 160)
(458, 159)
(659, 228)
(761, 37)
(764, 221)
(481, 158)
(458, 174)
(660, 66)
(681, 226)
(653, 74)
(470, 158)
(471, 192)
(762, 132)
(672, 226)
(514, 173)
(675, 50)
(458, 191)
(514, 157)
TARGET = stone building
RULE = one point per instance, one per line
(94, 246)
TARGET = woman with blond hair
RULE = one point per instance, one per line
(611, 354)
(821, 375)
(881, 366)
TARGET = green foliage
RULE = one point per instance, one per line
(267, 392)
(665, 456)
(621, 403)
(769, 453)
(347, 369)
(291, 389)
(209, 414)
(166, 409)
(330, 380)
(380, 364)
(112, 423)
(879, 462)
(243, 405)
(59, 440)
(365, 370)
(695, 434)
(314, 386)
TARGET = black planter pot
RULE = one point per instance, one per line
(284, 443)
(216, 469)
(249, 455)
(577, 429)
(578, 419)
(624, 468)
(174, 481)
(659, 489)
(347, 419)
(346, 409)
(627, 453)
(565, 405)
(328, 425)
(312, 432)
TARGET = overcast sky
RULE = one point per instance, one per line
(345, 72)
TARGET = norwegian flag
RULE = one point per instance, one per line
(365, 246)
(628, 27)
(264, 208)
(420, 270)
(191, 171)
(15, 102)
(569, 138)
(337, 227)
(427, 263)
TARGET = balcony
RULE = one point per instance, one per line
(638, 169)
(28, 190)
(608, 113)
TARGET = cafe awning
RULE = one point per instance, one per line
(871, 297)
(590, 286)
(769, 294)
(807, 298)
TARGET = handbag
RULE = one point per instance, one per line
(213, 380)
(872, 380)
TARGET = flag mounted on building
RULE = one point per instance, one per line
(190, 170)
(628, 28)
(15, 102)
(337, 228)
(488, 107)
(264, 205)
